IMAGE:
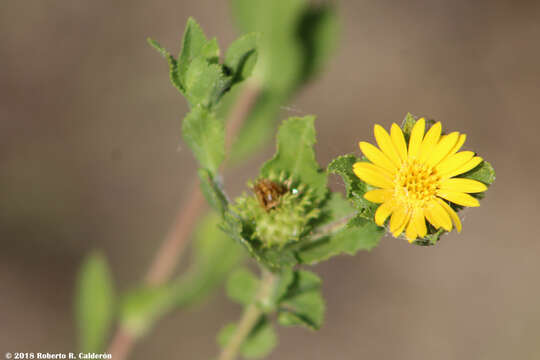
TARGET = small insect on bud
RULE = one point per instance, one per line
(269, 193)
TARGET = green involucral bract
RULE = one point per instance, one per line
(285, 223)
(270, 233)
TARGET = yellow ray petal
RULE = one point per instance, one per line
(430, 140)
(442, 149)
(399, 141)
(452, 213)
(463, 185)
(399, 216)
(400, 229)
(419, 221)
(471, 164)
(458, 198)
(383, 211)
(454, 162)
(417, 134)
(379, 195)
(436, 215)
(376, 156)
(373, 175)
(456, 147)
(385, 144)
(411, 233)
(374, 167)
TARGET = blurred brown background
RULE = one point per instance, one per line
(91, 157)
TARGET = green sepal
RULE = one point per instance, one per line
(94, 303)
(302, 302)
(259, 343)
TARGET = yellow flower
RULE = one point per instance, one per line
(414, 180)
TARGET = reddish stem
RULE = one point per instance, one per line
(175, 242)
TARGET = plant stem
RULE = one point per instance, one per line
(172, 247)
(176, 240)
(121, 343)
(332, 227)
(166, 258)
(249, 317)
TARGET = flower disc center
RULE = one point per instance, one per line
(416, 183)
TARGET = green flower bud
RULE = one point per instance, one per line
(278, 213)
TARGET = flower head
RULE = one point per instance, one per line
(416, 181)
(279, 213)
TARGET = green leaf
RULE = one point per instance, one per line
(295, 155)
(142, 306)
(285, 279)
(355, 188)
(277, 258)
(204, 83)
(297, 38)
(214, 255)
(173, 64)
(194, 45)
(280, 51)
(94, 303)
(212, 191)
(205, 135)
(242, 286)
(197, 73)
(210, 51)
(319, 31)
(303, 303)
(484, 172)
(241, 56)
(334, 209)
(258, 344)
(358, 234)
